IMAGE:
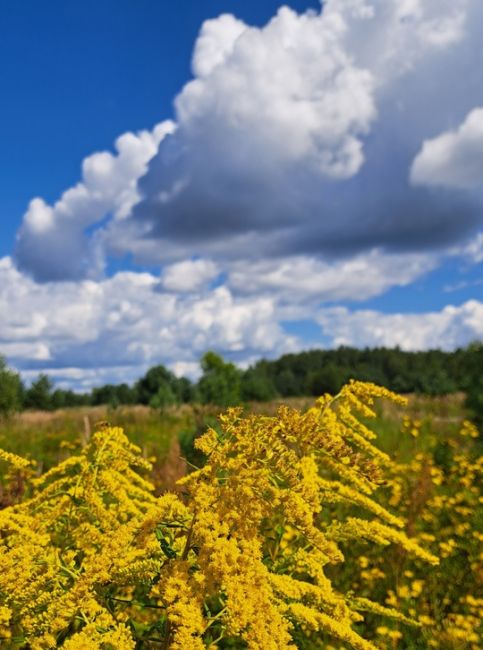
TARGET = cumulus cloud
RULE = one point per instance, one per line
(326, 156)
(379, 31)
(289, 87)
(53, 242)
(189, 275)
(474, 249)
(450, 328)
(292, 138)
(298, 137)
(113, 329)
(306, 279)
(454, 158)
(215, 43)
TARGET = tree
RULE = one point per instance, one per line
(10, 390)
(256, 385)
(62, 398)
(287, 383)
(328, 379)
(474, 383)
(160, 386)
(39, 395)
(220, 383)
(157, 378)
(126, 394)
(186, 391)
(163, 398)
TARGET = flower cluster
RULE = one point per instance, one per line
(245, 556)
(438, 492)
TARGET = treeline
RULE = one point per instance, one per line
(310, 373)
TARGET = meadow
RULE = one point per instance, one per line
(352, 521)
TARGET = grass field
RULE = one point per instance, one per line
(432, 482)
(49, 437)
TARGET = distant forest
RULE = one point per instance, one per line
(310, 373)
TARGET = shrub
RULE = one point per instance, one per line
(39, 395)
(220, 383)
(92, 560)
(10, 390)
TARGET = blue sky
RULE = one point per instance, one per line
(237, 176)
(75, 75)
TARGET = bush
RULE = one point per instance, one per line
(39, 395)
(91, 559)
(10, 390)
(220, 383)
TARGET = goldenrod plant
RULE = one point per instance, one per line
(250, 553)
(439, 494)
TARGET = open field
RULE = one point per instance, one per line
(389, 556)
(48, 437)
(166, 437)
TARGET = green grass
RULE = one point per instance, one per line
(438, 417)
(49, 437)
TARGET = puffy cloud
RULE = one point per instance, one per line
(474, 249)
(189, 275)
(295, 138)
(452, 327)
(289, 87)
(90, 332)
(301, 169)
(454, 158)
(113, 329)
(215, 43)
(306, 279)
(53, 242)
(391, 37)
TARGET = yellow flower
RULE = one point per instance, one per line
(94, 558)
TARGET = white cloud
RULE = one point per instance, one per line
(52, 243)
(308, 279)
(289, 87)
(111, 330)
(189, 369)
(390, 37)
(297, 137)
(474, 249)
(454, 158)
(28, 350)
(452, 327)
(189, 275)
(126, 322)
(294, 138)
(83, 379)
(215, 43)
(283, 184)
